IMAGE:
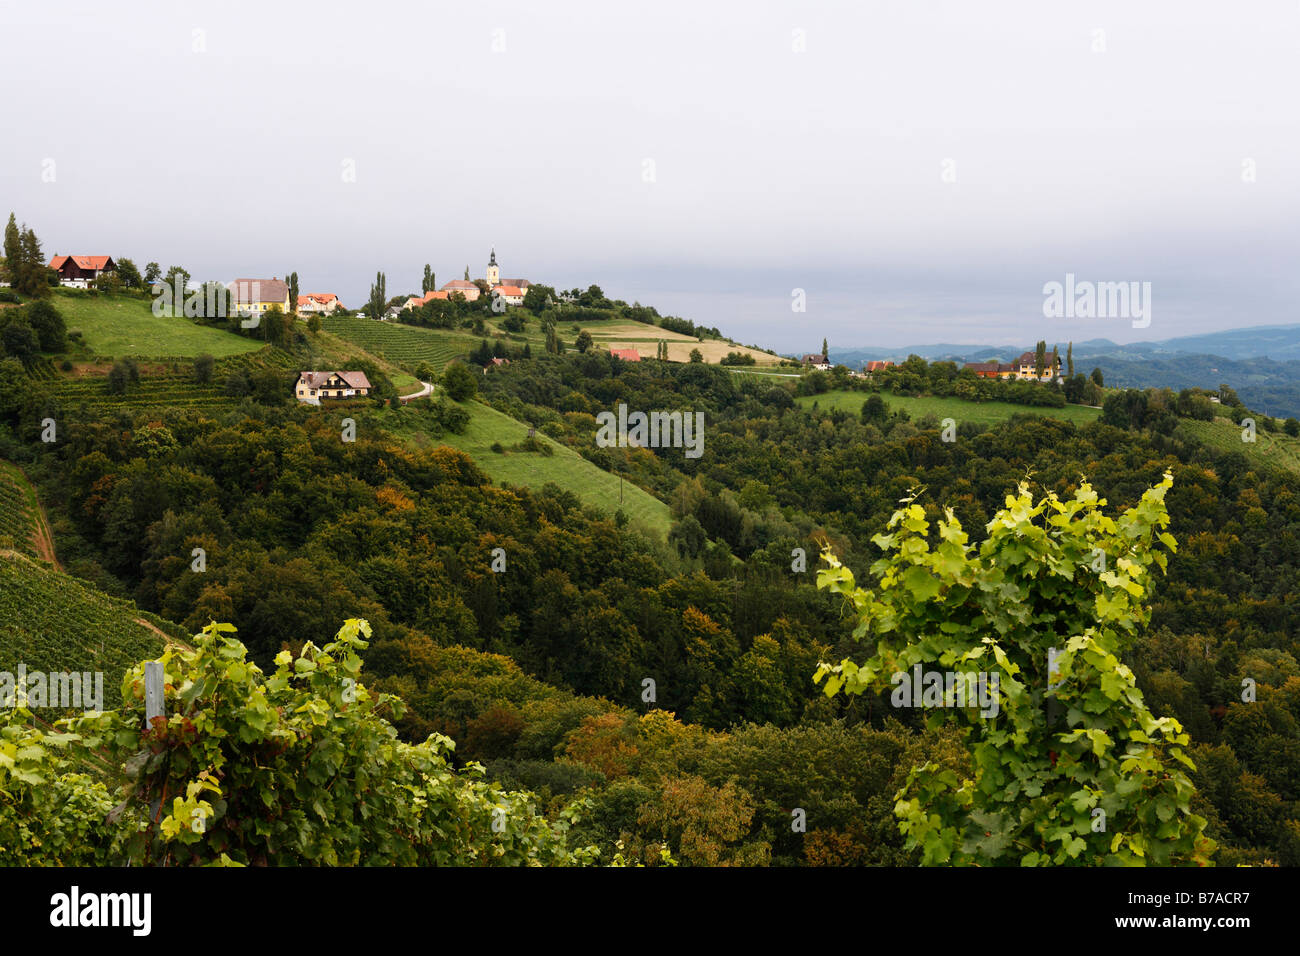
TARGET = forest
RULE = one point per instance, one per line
(673, 687)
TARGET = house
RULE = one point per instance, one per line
(313, 386)
(983, 369)
(392, 312)
(321, 303)
(1026, 366)
(512, 294)
(1023, 367)
(254, 296)
(80, 271)
(414, 302)
(876, 366)
(435, 294)
(468, 289)
(817, 361)
(627, 355)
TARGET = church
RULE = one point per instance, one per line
(512, 291)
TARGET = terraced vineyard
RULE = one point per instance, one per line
(173, 389)
(1274, 449)
(51, 621)
(17, 511)
(405, 345)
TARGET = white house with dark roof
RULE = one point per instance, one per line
(313, 386)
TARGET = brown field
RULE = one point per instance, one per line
(679, 349)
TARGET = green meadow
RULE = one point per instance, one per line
(985, 413)
(120, 325)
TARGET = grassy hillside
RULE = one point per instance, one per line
(51, 621)
(985, 413)
(1276, 449)
(122, 325)
(566, 468)
(619, 333)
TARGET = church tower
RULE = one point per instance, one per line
(493, 273)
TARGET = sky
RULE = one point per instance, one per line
(873, 173)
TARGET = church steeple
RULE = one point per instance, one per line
(493, 273)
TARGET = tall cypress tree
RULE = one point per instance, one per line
(31, 278)
(1069, 359)
(378, 297)
(13, 249)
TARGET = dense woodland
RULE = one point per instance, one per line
(539, 670)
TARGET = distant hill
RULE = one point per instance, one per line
(1262, 363)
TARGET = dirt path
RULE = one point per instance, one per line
(41, 536)
(428, 389)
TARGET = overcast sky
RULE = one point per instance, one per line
(919, 169)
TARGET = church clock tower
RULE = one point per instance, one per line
(493, 273)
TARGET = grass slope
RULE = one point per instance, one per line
(566, 468)
(124, 325)
(985, 413)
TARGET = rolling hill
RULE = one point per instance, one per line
(124, 325)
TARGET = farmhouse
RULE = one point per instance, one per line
(80, 271)
(313, 386)
(321, 303)
(627, 355)
(252, 296)
(817, 361)
(876, 366)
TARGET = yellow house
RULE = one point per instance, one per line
(255, 296)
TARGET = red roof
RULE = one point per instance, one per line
(81, 262)
(875, 366)
(324, 298)
(511, 290)
(458, 284)
(627, 355)
(430, 296)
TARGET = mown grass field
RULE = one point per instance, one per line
(124, 325)
(625, 334)
(566, 468)
(1276, 449)
(984, 413)
(51, 621)
(406, 345)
